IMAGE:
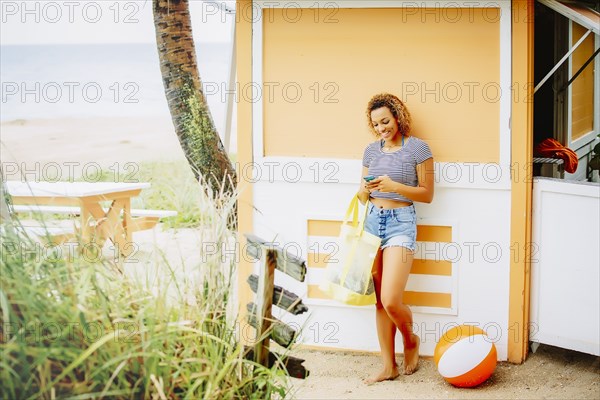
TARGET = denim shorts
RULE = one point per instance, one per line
(395, 226)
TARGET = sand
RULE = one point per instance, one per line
(550, 373)
(79, 146)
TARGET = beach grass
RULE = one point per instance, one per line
(78, 328)
(173, 188)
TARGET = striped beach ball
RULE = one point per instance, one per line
(465, 356)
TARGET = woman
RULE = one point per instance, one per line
(403, 169)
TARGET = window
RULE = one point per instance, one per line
(566, 73)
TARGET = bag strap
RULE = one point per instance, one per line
(364, 217)
(353, 209)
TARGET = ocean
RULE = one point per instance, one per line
(100, 80)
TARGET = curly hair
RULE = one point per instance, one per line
(396, 107)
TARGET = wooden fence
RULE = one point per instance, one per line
(267, 294)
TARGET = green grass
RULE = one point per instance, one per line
(72, 328)
(173, 188)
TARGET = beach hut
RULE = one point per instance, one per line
(305, 71)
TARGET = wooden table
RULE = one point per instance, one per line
(113, 223)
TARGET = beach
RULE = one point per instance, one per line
(35, 147)
(38, 146)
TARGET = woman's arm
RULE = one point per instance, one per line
(422, 193)
(363, 192)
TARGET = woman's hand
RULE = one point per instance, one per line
(363, 187)
(363, 192)
(382, 183)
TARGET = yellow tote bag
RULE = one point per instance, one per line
(348, 272)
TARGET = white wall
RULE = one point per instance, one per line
(565, 277)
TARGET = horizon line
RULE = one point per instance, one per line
(101, 43)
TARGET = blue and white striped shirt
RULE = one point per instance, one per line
(399, 165)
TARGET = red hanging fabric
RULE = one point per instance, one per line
(553, 149)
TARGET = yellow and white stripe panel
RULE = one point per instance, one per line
(431, 287)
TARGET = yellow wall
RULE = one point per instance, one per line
(582, 89)
(339, 66)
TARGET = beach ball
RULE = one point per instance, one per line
(465, 356)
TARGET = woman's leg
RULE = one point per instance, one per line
(397, 262)
(386, 330)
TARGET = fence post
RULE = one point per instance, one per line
(264, 302)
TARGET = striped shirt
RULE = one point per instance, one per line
(399, 165)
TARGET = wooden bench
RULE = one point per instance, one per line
(53, 235)
(88, 201)
(141, 219)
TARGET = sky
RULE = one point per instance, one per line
(102, 21)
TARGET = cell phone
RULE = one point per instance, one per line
(368, 178)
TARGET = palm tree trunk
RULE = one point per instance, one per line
(189, 110)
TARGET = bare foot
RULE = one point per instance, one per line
(411, 356)
(384, 375)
